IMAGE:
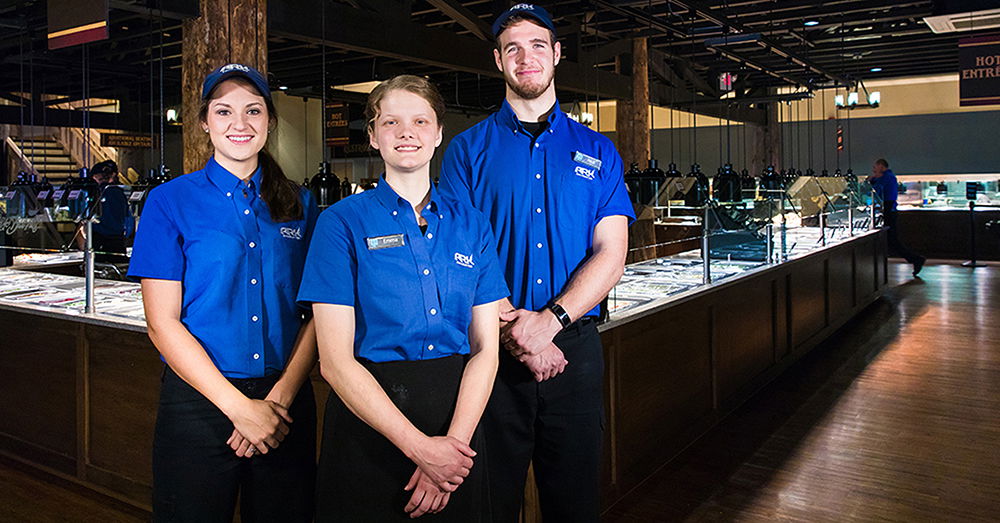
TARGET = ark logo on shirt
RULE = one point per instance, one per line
(584, 172)
(464, 260)
(290, 233)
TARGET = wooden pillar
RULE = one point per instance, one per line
(228, 31)
(770, 138)
(632, 116)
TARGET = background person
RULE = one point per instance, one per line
(883, 180)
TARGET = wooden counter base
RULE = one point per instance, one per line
(80, 399)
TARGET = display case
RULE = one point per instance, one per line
(948, 191)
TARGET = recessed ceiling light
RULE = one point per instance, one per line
(811, 23)
(876, 69)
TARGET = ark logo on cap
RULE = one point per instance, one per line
(231, 70)
(529, 10)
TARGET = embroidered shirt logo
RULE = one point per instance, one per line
(584, 172)
(290, 233)
(464, 261)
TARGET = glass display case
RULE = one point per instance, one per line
(762, 224)
(948, 191)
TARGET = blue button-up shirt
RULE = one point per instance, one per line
(542, 196)
(115, 218)
(239, 269)
(412, 291)
(887, 187)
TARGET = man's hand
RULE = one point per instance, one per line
(528, 333)
(547, 364)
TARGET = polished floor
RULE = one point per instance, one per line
(895, 418)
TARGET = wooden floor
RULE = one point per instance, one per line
(895, 418)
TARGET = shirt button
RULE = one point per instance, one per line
(255, 318)
(253, 281)
(246, 211)
(430, 347)
(433, 312)
(256, 356)
(536, 145)
(426, 272)
(539, 245)
(252, 244)
(430, 235)
(538, 281)
(538, 210)
(441, 216)
(229, 194)
(394, 213)
(538, 176)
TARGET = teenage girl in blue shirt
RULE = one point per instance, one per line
(405, 289)
(220, 254)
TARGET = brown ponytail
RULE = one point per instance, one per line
(279, 193)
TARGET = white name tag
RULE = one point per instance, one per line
(385, 242)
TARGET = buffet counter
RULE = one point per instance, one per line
(82, 388)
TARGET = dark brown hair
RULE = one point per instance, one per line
(882, 162)
(417, 85)
(521, 18)
(279, 193)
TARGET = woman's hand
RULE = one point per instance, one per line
(427, 498)
(445, 460)
(263, 423)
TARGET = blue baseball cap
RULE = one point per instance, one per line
(229, 71)
(530, 10)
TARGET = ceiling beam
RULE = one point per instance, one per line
(464, 17)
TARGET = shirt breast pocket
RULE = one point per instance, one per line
(463, 277)
(288, 251)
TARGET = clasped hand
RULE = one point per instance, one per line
(528, 336)
(257, 427)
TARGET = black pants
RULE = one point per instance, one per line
(362, 474)
(197, 477)
(891, 219)
(556, 424)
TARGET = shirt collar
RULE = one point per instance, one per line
(508, 117)
(228, 182)
(393, 201)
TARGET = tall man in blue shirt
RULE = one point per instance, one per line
(555, 197)
(884, 182)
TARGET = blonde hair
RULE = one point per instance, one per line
(417, 85)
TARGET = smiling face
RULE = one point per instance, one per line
(405, 131)
(237, 123)
(527, 58)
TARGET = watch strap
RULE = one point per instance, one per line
(561, 314)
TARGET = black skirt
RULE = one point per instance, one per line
(362, 474)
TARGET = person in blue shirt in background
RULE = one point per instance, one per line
(554, 192)
(115, 220)
(220, 253)
(405, 288)
(883, 180)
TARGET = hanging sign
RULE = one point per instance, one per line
(72, 22)
(337, 121)
(979, 70)
(140, 141)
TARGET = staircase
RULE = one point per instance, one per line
(48, 157)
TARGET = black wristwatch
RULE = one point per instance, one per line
(561, 315)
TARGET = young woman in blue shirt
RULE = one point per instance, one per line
(405, 289)
(220, 253)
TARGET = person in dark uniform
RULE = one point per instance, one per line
(555, 195)
(405, 287)
(220, 253)
(884, 182)
(115, 221)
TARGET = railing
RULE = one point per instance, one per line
(18, 161)
(77, 142)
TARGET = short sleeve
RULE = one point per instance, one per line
(158, 251)
(491, 285)
(455, 173)
(614, 199)
(310, 212)
(331, 266)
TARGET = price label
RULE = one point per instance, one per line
(58, 194)
(136, 196)
(9, 195)
(74, 195)
(43, 194)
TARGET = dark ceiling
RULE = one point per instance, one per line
(765, 42)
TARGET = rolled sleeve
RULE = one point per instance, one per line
(158, 251)
(331, 266)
